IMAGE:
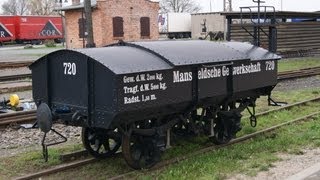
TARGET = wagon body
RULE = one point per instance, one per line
(103, 87)
(29, 28)
(38, 27)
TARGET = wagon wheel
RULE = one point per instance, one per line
(186, 128)
(101, 143)
(140, 152)
(221, 133)
(182, 129)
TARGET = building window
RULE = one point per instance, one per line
(82, 28)
(117, 26)
(145, 27)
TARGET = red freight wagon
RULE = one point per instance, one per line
(7, 28)
(33, 28)
(30, 28)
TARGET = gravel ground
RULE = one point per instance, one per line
(22, 95)
(303, 83)
(15, 141)
(290, 165)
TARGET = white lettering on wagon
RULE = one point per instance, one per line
(221, 71)
(247, 69)
(181, 76)
(132, 99)
(147, 87)
(144, 84)
(270, 65)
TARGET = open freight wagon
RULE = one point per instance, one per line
(136, 93)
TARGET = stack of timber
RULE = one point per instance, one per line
(293, 38)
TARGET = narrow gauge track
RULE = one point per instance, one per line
(18, 64)
(178, 159)
(306, 72)
(14, 77)
(17, 118)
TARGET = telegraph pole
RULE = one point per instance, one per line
(88, 14)
(176, 6)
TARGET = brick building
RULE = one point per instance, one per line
(113, 20)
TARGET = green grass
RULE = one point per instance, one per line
(35, 54)
(33, 161)
(299, 63)
(288, 96)
(247, 158)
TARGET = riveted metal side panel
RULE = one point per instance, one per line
(254, 74)
(237, 76)
(40, 79)
(212, 81)
(154, 89)
(68, 80)
(105, 96)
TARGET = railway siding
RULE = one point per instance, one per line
(194, 157)
(186, 147)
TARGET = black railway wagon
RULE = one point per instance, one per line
(137, 94)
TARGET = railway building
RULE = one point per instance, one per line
(113, 20)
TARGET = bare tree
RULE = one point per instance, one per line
(15, 7)
(190, 6)
(42, 7)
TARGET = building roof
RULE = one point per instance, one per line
(205, 13)
(75, 6)
(278, 14)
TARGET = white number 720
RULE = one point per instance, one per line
(70, 68)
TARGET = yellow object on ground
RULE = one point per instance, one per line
(14, 100)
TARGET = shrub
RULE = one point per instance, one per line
(50, 43)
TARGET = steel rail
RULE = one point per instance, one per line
(306, 72)
(15, 77)
(57, 169)
(286, 107)
(18, 64)
(18, 117)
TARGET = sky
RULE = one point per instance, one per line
(287, 5)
